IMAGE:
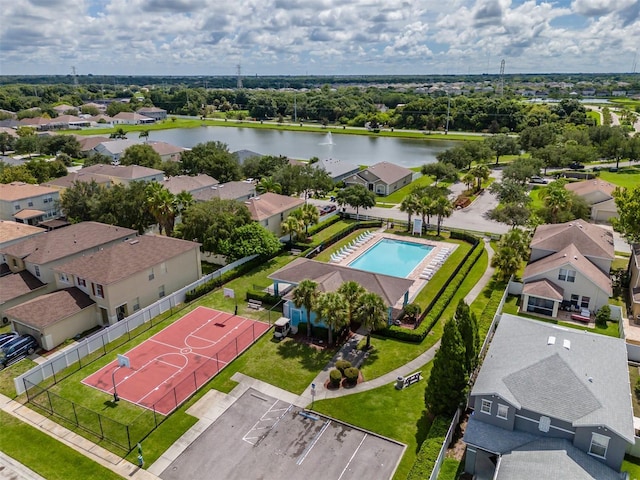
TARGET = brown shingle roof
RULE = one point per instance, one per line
(570, 255)
(329, 277)
(68, 180)
(544, 288)
(269, 204)
(124, 259)
(164, 148)
(226, 191)
(17, 284)
(10, 192)
(89, 143)
(591, 240)
(188, 183)
(588, 186)
(66, 241)
(27, 213)
(51, 308)
(13, 230)
(389, 172)
(129, 172)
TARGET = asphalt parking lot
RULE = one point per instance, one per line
(261, 437)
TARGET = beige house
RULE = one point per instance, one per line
(68, 181)
(131, 275)
(167, 152)
(599, 196)
(153, 112)
(271, 209)
(27, 203)
(125, 173)
(13, 232)
(54, 317)
(31, 261)
(568, 269)
(382, 178)
(239, 191)
(634, 282)
(189, 183)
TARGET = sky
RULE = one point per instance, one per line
(317, 37)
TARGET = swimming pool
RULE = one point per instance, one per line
(392, 257)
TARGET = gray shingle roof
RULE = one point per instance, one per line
(586, 384)
(591, 240)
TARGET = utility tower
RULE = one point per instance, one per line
(502, 78)
(75, 78)
(239, 75)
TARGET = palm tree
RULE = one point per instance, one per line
(443, 209)
(310, 216)
(410, 205)
(292, 225)
(351, 291)
(305, 296)
(481, 173)
(468, 179)
(372, 314)
(507, 262)
(331, 307)
(268, 184)
(144, 134)
(118, 133)
(426, 209)
(556, 198)
(163, 206)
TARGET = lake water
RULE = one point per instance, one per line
(357, 149)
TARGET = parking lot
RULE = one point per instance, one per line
(263, 437)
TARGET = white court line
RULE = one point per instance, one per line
(313, 443)
(215, 341)
(352, 456)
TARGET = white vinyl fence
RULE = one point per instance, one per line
(98, 341)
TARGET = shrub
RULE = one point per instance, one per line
(351, 374)
(603, 316)
(412, 310)
(342, 365)
(264, 297)
(335, 376)
(429, 450)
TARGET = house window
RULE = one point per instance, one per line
(574, 300)
(136, 304)
(15, 262)
(97, 290)
(16, 207)
(282, 216)
(486, 407)
(163, 267)
(585, 302)
(30, 204)
(544, 424)
(266, 222)
(503, 411)
(151, 275)
(64, 277)
(82, 282)
(161, 291)
(599, 445)
(567, 275)
(37, 269)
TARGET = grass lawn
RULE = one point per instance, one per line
(595, 116)
(397, 414)
(45, 455)
(451, 469)
(634, 376)
(8, 374)
(397, 196)
(631, 465)
(627, 178)
(536, 200)
(513, 303)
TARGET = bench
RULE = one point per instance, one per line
(295, 251)
(255, 304)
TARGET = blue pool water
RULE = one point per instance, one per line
(392, 257)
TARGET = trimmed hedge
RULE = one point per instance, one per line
(335, 377)
(322, 225)
(442, 301)
(429, 450)
(224, 278)
(342, 365)
(307, 248)
(486, 317)
(464, 236)
(264, 297)
(351, 375)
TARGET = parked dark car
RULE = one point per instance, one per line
(7, 337)
(537, 179)
(16, 349)
(576, 166)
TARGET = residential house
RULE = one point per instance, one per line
(37, 123)
(101, 120)
(598, 194)
(13, 232)
(270, 210)
(68, 121)
(337, 169)
(125, 173)
(10, 131)
(27, 203)
(240, 191)
(568, 269)
(114, 149)
(64, 108)
(242, 155)
(133, 274)
(549, 402)
(634, 281)
(88, 144)
(98, 106)
(131, 118)
(68, 181)
(167, 152)
(31, 261)
(382, 178)
(189, 183)
(393, 290)
(153, 112)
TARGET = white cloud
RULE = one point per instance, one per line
(177, 37)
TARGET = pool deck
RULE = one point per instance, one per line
(420, 274)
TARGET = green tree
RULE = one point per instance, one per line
(522, 169)
(502, 144)
(293, 225)
(305, 295)
(410, 206)
(603, 316)
(513, 214)
(332, 308)
(7, 142)
(16, 173)
(510, 191)
(481, 173)
(118, 133)
(27, 144)
(143, 155)
(448, 381)
(144, 134)
(356, 196)
(628, 220)
(214, 159)
(506, 261)
(468, 327)
(310, 216)
(443, 209)
(251, 239)
(268, 184)
(260, 166)
(163, 206)
(441, 171)
(352, 292)
(372, 313)
(79, 201)
(556, 199)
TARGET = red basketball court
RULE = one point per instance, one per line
(168, 367)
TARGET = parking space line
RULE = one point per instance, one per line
(352, 456)
(265, 418)
(313, 442)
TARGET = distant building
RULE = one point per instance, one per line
(153, 112)
(27, 203)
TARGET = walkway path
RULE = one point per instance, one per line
(356, 357)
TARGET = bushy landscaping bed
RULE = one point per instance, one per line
(428, 454)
